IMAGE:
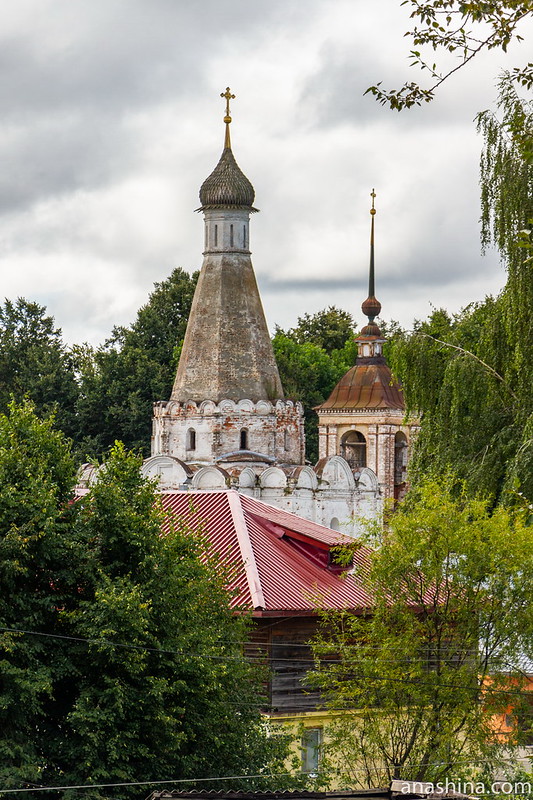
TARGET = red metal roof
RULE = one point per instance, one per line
(274, 555)
(369, 384)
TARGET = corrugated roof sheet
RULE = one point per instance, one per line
(369, 384)
(271, 574)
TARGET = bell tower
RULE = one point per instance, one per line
(363, 419)
(227, 404)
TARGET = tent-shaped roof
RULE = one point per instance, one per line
(367, 385)
(282, 563)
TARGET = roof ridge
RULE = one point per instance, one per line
(247, 553)
(274, 514)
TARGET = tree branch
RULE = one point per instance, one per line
(476, 358)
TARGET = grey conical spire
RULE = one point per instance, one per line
(227, 352)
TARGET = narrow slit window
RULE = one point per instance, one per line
(191, 439)
(231, 235)
(244, 235)
(244, 439)
(216, 235)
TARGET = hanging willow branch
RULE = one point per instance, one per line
(476, 358)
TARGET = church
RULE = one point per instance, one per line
(227, 424)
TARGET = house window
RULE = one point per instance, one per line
(310, 749)
(244, 439)
(353, 449)
(524, 723)
(191, 439)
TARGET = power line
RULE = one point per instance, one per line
(249, 643)
(245, 777)
(260, 658)
(142, 783)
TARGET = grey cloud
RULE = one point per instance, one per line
(118, 54)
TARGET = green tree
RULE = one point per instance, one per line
(120, 656)
(308, 374)
(120, 381)
(462, 29)
(470, 375)
(419, 682)
(35, 363)
(329, 329)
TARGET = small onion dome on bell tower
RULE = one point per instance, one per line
(227, 186)
(369, 384)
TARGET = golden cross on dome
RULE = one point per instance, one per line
(229, 96)
(372, 195)
(227, 119)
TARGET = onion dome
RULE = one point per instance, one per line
(227, 186)
(371, 308)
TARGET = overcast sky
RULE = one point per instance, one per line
(111, 118)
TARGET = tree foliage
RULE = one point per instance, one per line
(120, 657)
(462, 29)
(312, 357)
(120, 381)
(35, 363)
(470, 375)
(419, 685)
(329, 329)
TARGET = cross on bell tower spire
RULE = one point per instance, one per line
(227, 119)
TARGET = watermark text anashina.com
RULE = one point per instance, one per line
(464, 787)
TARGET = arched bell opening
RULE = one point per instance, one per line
(400, 458)
(353, 449)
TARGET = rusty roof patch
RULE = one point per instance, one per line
(367, 385)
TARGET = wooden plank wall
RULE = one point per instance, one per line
(283, 643)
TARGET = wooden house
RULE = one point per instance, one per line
(283, 570)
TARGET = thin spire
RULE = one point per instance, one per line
(371, 307)
(371, 287)
(227, 119)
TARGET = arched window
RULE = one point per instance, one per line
(400, 458)
(191, 439)
(353, 448)
(244, 439)
(335, 524)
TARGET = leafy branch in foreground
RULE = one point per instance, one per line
(419, 685)
(120, 656)
(463, 29)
